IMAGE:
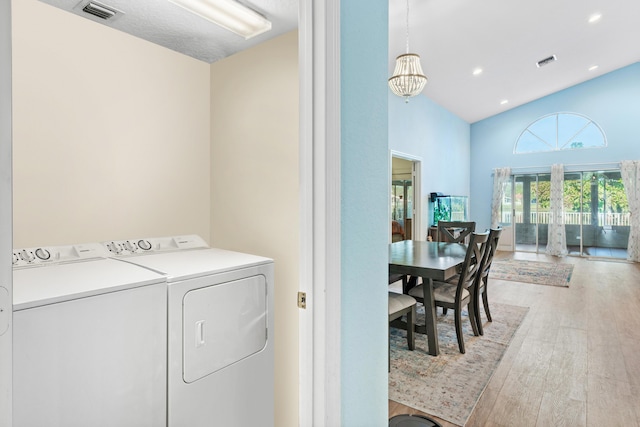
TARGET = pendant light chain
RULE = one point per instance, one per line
(407, 26)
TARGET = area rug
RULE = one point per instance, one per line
(449, 385)
(536, 272)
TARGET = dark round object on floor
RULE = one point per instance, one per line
(407, 420)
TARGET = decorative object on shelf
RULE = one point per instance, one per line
(408, 78)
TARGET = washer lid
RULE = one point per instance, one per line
(187, 264)
(56, 283)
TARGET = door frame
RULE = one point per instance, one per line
(6, 227)
(319, 351)
(418, 233)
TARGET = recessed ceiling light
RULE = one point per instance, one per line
(477, 71)
(593, 67)
(504, 101)
(595, 18)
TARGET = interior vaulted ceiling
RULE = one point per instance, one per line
(506, 38)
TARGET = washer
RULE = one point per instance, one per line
(220, 323)
(89, 340)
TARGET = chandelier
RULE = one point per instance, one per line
(408, 78)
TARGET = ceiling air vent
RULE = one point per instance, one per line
(97, 11)
(546, 61)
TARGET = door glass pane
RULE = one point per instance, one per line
(525, 212)
(542, 210)
(611, 232)
(572, 211)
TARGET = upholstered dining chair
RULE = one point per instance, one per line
(399, 305)
(482, 278)
(459, 294)
(454, 231)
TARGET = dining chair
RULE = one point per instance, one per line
(400, 305)
(482, 278)
(459, 294)
(454, 231)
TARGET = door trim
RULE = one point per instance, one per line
(319, 330)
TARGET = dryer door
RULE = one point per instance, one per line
(223, 324)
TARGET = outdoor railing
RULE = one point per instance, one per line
(571, 218)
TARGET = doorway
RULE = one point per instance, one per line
(596, 213)
(404, 209)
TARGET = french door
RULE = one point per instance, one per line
(596, 213)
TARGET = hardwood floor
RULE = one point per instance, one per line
(575, 360)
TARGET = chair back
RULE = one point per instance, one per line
(472, 261)
(454, 231)
(492, 245)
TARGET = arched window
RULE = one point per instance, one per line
(560, 131)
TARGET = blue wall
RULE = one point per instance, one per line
(424, 129)
(364, 214)
(612, 101)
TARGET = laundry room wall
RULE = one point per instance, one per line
(111, 133)
(255, 200)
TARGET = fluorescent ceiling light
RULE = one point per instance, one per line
(228, 14)
(595, 18)
(593, 67)
(504, 101)
(477, 71)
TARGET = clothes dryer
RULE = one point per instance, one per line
(89, 340)
(220, 330)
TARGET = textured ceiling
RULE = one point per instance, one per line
(169, 25)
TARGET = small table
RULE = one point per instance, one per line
(429, 260)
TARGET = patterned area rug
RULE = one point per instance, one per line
(448, 386)
(539, 273)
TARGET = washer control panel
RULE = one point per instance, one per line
(153, 245)
(42, 255)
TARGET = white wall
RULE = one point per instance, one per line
(255, 184)
(111, 133)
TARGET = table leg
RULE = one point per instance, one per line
(430, 317)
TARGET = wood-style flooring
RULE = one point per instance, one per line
(575, 360)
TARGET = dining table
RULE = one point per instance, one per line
(430, 261)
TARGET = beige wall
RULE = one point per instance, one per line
(111, 133)
(254, 185)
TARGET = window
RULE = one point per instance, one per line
(560, 131)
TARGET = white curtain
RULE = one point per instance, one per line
(630, 171)
(557, 240)
(500, 178)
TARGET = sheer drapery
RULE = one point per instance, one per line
(500, 178)
(557, 240)
(630, 171)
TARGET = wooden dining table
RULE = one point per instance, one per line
(430, 261)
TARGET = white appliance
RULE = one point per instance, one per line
(89, 340)
(220, 326)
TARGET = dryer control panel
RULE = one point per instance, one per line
(153, 245)
(43, 255)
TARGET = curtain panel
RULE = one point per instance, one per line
(630, 171)
(501, 177)
(556, 238)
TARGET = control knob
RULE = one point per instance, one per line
(27, 256)
(15, 258)
(114, 247)
(145, 245)
(129, 246)
(43, 254)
